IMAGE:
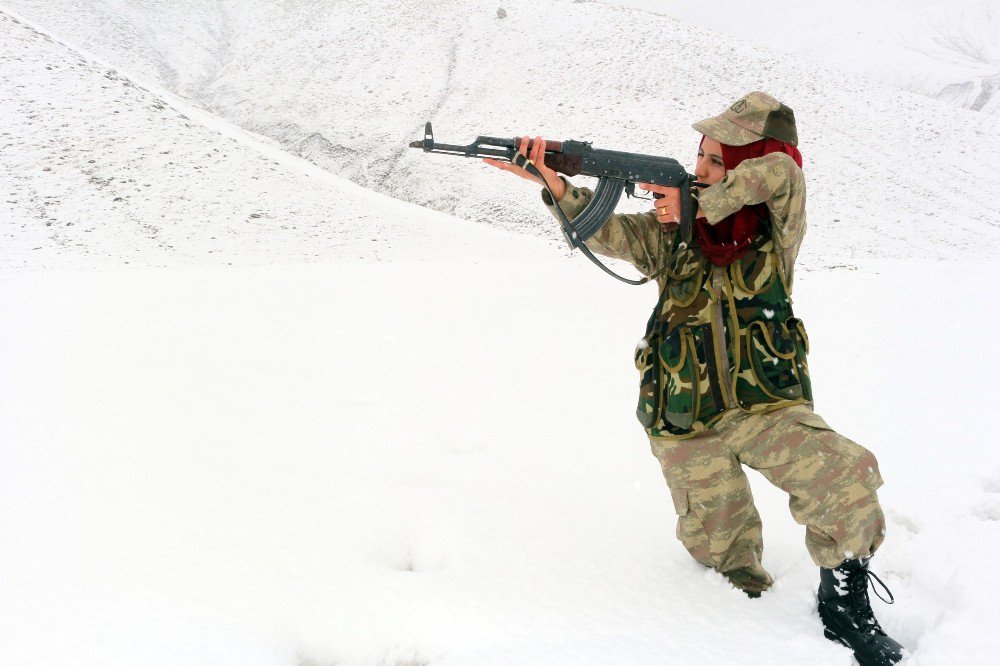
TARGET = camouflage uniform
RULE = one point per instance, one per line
(724, 373)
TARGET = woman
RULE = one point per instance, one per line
(725, 381)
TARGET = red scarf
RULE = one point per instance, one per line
(727, 241)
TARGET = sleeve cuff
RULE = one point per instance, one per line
(572, 203)
(710, 205)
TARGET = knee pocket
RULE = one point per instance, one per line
(690, 529)
(859, 465)
(815, 454)
(682, 505)
(702, 462)
(794, 436)
(851, 462)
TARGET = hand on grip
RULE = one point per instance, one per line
(534, 150)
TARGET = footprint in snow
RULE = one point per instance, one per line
(988, 510)
(904, 521)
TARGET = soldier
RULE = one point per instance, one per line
(724, 376)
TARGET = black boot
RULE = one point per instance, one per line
(847, 614)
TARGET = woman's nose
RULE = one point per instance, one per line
(699, 169)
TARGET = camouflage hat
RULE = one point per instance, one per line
(754, 117)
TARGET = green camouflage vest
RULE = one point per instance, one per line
(720, 338)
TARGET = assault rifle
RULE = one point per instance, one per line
(616, 172)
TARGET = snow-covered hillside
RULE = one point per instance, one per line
(96, 170)
(947, 50)
(291, 421)
(348, 85)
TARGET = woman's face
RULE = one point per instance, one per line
(709, 168)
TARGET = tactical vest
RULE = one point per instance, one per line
(721, 337)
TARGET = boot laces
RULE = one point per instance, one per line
(858, 582)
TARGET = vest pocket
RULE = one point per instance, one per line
(679, 379)
(754, 272)
(798, 330)
(647, 362)
(685, 275)
(772, 353)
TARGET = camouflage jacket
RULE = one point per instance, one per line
(720, 337)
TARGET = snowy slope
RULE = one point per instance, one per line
(97, 170)
(347, 85)
(383, 465)
(947, 50)
(420, 449)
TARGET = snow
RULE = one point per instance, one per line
(186, 187)
(228, 439)
(271, 465)
(946, 50)
(347, 85)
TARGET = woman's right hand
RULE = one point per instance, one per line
(537, 157)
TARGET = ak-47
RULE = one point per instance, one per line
(616, 172)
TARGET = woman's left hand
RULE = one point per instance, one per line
(668, 206)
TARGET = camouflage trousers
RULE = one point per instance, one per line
(831, 483)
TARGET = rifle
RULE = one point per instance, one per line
(616, 172)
